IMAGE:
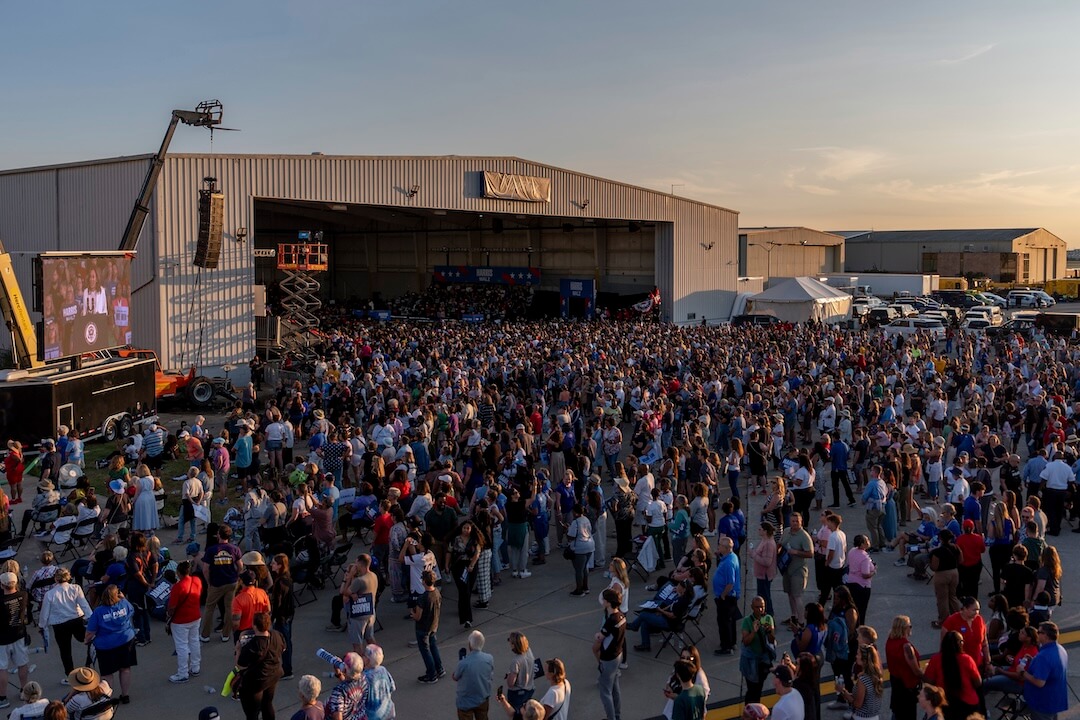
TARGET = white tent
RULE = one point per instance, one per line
(800, 299)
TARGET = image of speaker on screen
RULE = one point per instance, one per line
(95, 299)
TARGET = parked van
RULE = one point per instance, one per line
(991, 313)
(1027, 299)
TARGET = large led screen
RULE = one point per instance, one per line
(85, 303)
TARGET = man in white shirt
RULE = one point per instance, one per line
(835, 558)
(790, 705)
(1056, 477)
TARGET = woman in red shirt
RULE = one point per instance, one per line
(903, 662)
(955, 671)
(13, 468)
(182, 621)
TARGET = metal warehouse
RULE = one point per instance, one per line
(389, 222)
(1023, 255)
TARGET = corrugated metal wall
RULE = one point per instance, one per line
(688, 274)
(80, 207)
(205, 317)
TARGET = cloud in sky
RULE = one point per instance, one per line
(1049, 187)
(967, 54)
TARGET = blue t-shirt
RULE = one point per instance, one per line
(317, 441)
(727, 573)
(731, 526)
(972, 509)
(1050, 665)
(243, 451)
(111, 625)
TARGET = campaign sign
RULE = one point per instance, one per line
(489, 274)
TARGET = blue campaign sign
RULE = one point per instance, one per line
(359, 314)
(380, 315)
(495, 275)
(472, 318)
(570, 288)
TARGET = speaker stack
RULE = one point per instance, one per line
(211, 226)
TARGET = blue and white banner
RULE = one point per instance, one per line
(487, 274)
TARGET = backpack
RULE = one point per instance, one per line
(836, 639)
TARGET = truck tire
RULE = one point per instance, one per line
(200, 392)
(109, 432)
(126, 426)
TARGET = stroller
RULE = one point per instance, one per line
(234, 518)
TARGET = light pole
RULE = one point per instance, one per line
(768, 247)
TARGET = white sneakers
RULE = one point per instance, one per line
(178, 678)
(525, 574)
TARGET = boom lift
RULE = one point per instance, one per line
(98, 395)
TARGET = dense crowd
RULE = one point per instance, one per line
(450, 301)
(455, 452)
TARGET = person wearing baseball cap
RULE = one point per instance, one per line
(790, 704)
(250, 600)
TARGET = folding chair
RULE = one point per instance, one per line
(694, 615)
(85, 531)
(104, 709)
(645, 559)
(62, 539)
(674, 637)
(306, 573)
(1012, 706)
(336, 562)
(45, 516)
(10, 546)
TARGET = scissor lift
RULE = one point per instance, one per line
(300, 261)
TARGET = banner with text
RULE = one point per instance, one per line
(487, 274)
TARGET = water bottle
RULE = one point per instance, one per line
(209, 690)
(36, 650)
(331, 658)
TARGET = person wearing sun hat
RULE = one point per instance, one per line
(87, 689)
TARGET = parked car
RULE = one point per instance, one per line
(1028, 299)
(912, 326)
(754, 319)
(881, 316)
(976, 326)
(990, 312)
(1023, 326)
(904, 310)
(989, 298)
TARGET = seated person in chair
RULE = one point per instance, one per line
(59, 532)
(46, 497)
(670, 613)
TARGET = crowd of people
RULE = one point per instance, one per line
(451, 301)
(451, 453)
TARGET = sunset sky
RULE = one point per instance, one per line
(834, 115)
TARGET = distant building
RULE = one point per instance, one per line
(769, 252)
(1019, 255)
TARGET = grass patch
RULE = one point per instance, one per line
(99, 479)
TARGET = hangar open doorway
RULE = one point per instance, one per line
(377, 253)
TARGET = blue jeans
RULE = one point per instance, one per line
(764, 590)
(517, 698)
(428, 645)
(610, 692)
(285, 628)
(185, 520)
(649, 623)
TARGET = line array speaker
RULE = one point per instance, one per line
(211, 227)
